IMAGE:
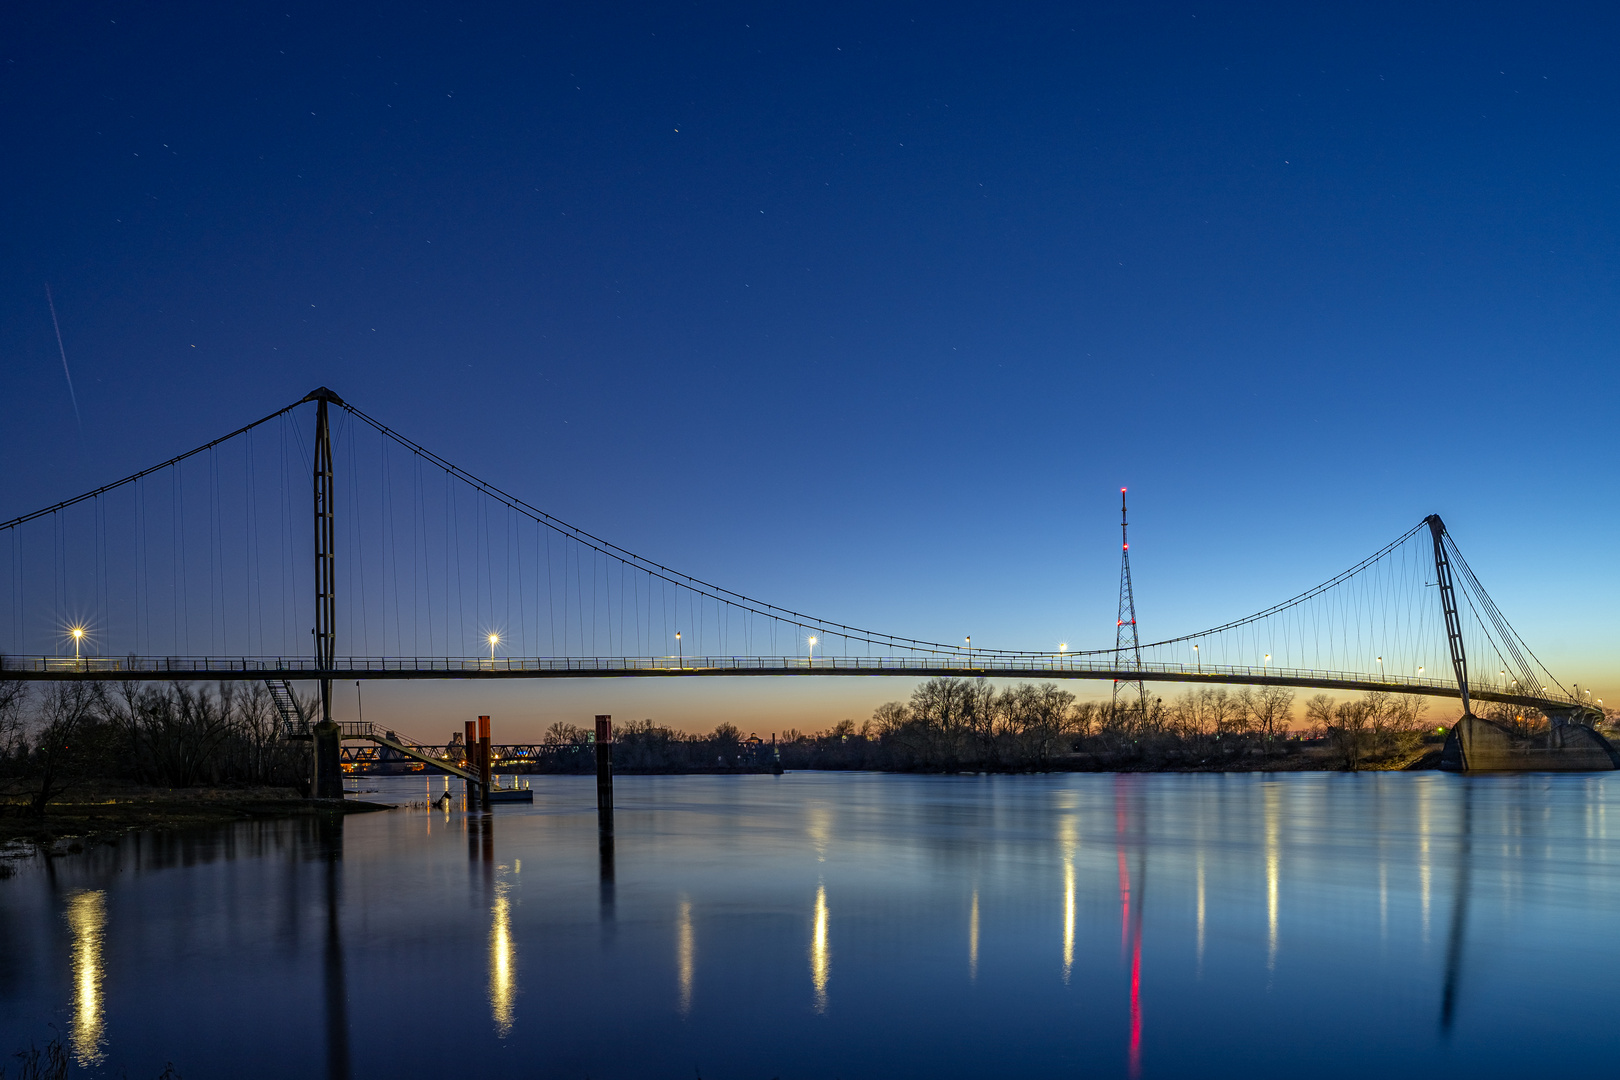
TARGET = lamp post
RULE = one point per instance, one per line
(970, 650)
(78, 636)
(494, 640)
(1198, 661)
(680, 651)
(811, 656)
(1266, 669)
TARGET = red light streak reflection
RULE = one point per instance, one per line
(1130, 921)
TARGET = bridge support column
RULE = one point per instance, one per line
(604, 766)
(328, 770)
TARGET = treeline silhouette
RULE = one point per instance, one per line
(59, 735)
(952, 725)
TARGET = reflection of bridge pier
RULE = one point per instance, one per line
(1459, 914)
(336, 1010)
(607, 899)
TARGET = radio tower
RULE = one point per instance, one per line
(1127, 646)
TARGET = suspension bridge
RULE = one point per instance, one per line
(251, 557)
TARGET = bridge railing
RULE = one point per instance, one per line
(1030, 665)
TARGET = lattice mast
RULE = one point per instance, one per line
(1127, 646)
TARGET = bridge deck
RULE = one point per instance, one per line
(1030, 667)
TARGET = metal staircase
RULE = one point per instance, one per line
(294, 724)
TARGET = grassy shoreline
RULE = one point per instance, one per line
(101, 813)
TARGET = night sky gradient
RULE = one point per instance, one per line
(867, 311)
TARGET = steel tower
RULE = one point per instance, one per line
(1127, 646)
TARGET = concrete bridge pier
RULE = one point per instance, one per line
(1476, 745)
(327, 740)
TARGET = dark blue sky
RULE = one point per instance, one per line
(868, 312)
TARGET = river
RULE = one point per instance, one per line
(847, 925)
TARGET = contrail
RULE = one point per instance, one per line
(63, 350)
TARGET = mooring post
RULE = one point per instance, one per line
(604, 765)
(485, 760)
(469, 737)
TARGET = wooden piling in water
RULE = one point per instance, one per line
(604, 765)
(486, 761)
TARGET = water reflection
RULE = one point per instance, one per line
(684, 956)
(1067, 827)
(251, 926)
(1423, 853)
(1273, 799)
(502, 976)
(1128, 825)
(330, 839)
(1459, 915)
(87, 918)
(606, 907)
(973, 939)
(818, 951)
(1200, 956)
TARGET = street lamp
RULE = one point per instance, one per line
(812, 657)
(970, 650)
(78, 636)
(1198, 661)
(494, 640)
(680, 650)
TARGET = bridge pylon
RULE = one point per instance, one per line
(327, 775)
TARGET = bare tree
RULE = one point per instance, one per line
(1269, 708)
(63, 748)
(13, 702)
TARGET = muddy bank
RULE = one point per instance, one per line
(96, 814)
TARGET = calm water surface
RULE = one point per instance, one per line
(817, 925)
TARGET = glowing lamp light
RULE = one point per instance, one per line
(494, 640)
(77, 633)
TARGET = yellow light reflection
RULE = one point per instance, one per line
(87, 918)
(1200, 914)
(818, 823)
(1383, 900)
(502, 963)
(684, 956)
(1069, 841)
(973, 940)
(1068, 918)
(1273, 814)
(818, 951)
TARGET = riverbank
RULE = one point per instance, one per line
(99, 813)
